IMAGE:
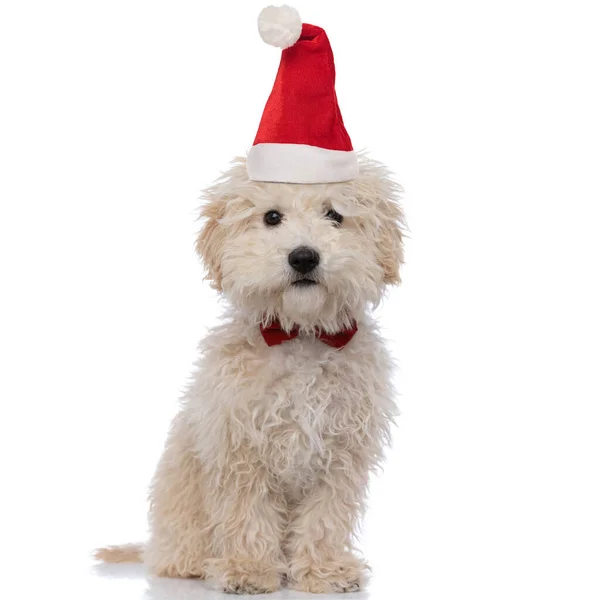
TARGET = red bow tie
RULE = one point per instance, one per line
(275, 335)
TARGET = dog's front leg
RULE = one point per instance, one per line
(319, 538)
(246, 527)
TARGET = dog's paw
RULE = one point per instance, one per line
(179, 571)
(317, 584)
(175, 562)
(347, 574)
(244, 576)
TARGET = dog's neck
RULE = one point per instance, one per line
(315, 326)
(311, 324)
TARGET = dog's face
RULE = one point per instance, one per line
(308, 255)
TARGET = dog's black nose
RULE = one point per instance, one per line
(303, 259)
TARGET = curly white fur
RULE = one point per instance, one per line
(266, 466)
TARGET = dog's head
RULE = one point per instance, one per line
(310, 255)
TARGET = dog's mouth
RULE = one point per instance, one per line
(305, 282)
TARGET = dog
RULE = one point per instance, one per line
(264, 473)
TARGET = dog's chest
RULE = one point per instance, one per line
(307, 391)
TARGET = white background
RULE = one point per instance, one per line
(115, 114)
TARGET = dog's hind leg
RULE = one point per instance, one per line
(177, 547)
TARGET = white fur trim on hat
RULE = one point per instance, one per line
(300, 163)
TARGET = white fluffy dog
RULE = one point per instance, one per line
(265, 469)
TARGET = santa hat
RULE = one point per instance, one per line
(301, 137)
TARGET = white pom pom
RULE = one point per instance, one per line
(279, 26)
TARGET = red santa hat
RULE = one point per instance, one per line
(301, 137)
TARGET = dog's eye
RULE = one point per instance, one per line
(334, 216)
(273, 218)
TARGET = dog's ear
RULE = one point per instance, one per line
(378, 195)
(209, 242)
(390, 246)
